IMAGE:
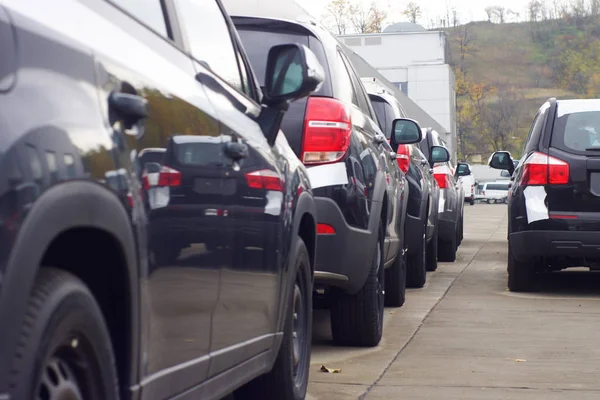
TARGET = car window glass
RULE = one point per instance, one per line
(579, 131)
(535, 125)
(149, 12)
(198, 154)
(347, 89)
(210, 39)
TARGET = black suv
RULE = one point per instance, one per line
(421, 229)
(360, 192)
(554, 199)
(157, 235)
(451, 199)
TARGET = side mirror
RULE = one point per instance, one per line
(439, 154)
(292, 72)
(464, 171)
(502, 160)
(406, 131)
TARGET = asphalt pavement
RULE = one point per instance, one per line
(465, 336)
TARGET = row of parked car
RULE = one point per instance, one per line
(177, 184)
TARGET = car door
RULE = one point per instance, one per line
(429, 185)
(244, 320)
(178, 277)
(394, 178)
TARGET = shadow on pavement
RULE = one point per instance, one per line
(581, 283)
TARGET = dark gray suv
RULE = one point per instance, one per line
(157, 233)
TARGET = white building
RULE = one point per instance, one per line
(417, 61)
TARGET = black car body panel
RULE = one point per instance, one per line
(423, 195)
(202, 264)
(567, 234)
(373, 184)
(450, 203)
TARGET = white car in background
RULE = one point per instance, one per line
(468, 182)
(495, 192)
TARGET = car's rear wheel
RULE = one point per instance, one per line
(432, 251)
(521, 275)
(416, 271)
(64, 349)
(288, 380)
(395, 281)
(472, 201)
(447, 249)
(357, 320)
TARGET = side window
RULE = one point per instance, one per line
(362, 99)
(149, 12)
(348, 94)
(536, 128)
(210, 39)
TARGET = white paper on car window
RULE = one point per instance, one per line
(328, 175)
(535, 204)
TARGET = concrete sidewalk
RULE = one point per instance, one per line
(464, 336)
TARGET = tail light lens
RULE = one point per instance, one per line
(542, 169)
(264, 179)
(442, 176)
(167, 177)
(403, 157)
(327, 130)
(324, 229)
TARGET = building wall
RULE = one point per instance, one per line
(416, 63)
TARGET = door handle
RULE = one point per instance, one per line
(130, 107)
(236, 150)
(378, 139)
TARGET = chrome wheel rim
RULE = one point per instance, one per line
(299, 334)
(58, 381)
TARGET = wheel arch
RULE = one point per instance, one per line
(75, 205)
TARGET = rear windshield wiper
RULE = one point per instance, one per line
(593, 149)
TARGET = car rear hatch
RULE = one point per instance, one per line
(572, 176)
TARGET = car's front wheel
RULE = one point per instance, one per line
(432, 251)
(395, 281)
(64, 351)
(357, 319)
(288, 380)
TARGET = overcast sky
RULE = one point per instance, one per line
(468, 10)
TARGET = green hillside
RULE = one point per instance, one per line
(506, 71)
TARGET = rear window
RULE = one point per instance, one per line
(578, 131)
(384, 113)
(257, 44)
(198, 154)
(152, 157)
(497, 186)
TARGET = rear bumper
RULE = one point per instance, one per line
(344, 258)
(534, 244)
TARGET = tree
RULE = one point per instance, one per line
(534, 9)
(466, 47)
(502, 117)
(413, 12)
(338, 11)
(367, 19)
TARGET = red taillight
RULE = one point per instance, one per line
(442, 176)
(264, 179)
(324, 229)
(562, 216)
(327, 129)
(403, 157)
(542, 169)
(166, 177)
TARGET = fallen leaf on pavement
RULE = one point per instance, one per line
(520, 360)
(330, 370)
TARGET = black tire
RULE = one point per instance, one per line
(288, 380)
(447, 249)
(416, 265)
(357, 320)
(521, 275)
(460, 231)
(64, 345)
(395, 281)
(472, 201)
(432, 251)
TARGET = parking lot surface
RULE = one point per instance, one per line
(464, 336)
